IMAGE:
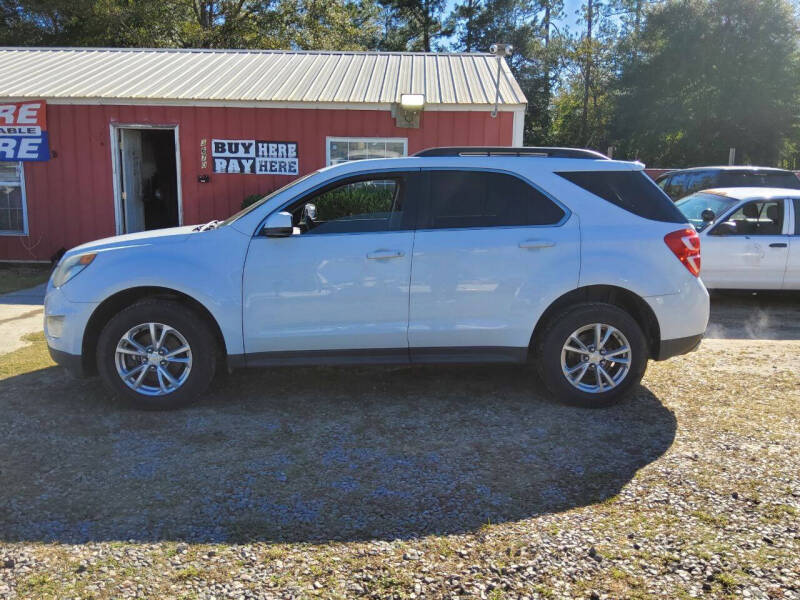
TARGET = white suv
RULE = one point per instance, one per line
(561, 258)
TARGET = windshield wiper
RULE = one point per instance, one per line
(210, 225)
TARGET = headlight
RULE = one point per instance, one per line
(68, 268)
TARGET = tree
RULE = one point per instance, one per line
(415, 24)
(465, 21)
(711, 75)
(87, 23)
(587, 50)
(225, 24)
(583, 102)
(326, 25)
(526, 25)
(304, 24)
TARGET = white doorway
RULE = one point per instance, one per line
(147, 191)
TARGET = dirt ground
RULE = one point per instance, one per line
(414, 482)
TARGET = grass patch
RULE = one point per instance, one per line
(15, 277)
(27, 359)
(775, 512)
(710, 519)
(190, 572)
(40, 585)
(727, 580)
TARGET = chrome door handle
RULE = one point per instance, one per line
(533, 244)
(381, 254)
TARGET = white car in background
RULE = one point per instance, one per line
(562, 258)
(750, 237)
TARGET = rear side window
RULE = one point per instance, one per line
(700, 180)
(485, 199)
(676, 188)
(632, 190)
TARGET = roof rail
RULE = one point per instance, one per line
(543, 152)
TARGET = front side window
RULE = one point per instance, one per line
(695, 205)
(12, 199)
(341, 150)
(460, 199)
(247, 210)
(763, 217)
(363, 205)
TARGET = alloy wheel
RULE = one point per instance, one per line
(596, 358)
(153, 359)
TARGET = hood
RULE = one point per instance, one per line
(143, 238)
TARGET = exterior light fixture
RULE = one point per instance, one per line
(499, 50)
(412, 101)
(407, 111)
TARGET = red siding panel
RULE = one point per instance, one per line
(70, 198)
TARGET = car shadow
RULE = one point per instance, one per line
(301, 454)
(33, 296)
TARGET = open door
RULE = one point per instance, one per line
(130, 148)
(148, 179)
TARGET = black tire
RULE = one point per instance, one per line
(192, 326)
(559, 329)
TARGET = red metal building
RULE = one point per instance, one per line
(140, 139)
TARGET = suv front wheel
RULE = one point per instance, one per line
(156, 354)
(592, 355)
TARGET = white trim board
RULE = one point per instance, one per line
(263, 104)
(518, 129)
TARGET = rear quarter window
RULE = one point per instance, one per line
(631, 190)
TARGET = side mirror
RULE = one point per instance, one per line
(726, 228)
(278, 225)
(708, 215)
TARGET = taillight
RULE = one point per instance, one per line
(685, 244)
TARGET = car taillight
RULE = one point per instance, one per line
(685, 244)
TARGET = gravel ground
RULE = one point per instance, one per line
(414, 483)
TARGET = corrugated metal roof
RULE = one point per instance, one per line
(268, 76)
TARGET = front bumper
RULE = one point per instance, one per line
(65, 341)
(73, 363)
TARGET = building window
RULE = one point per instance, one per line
(341, 150)
(13, 218)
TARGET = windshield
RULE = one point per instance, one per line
(693, 206)
(269, 196)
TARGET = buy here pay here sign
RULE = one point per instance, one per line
(23, 131)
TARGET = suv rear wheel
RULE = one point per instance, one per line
(592, 355)
(156, 355)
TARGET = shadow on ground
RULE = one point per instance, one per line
(311, 454)
(754, 316)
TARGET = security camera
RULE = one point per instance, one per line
(501, 49)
